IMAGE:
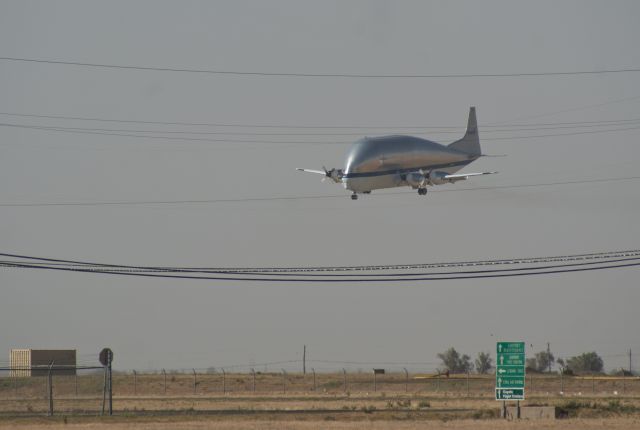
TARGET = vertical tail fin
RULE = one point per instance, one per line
(470, 143)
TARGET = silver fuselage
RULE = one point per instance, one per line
(384, 162)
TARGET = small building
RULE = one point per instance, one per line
(35, 362)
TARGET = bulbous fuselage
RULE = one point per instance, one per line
(384, 162)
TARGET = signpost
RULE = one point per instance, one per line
(510, 374)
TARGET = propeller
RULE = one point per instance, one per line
(334, 174)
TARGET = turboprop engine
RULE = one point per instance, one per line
(421, 179)
(437, 178)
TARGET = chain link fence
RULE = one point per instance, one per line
(139, 392)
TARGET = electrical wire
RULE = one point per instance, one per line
(582, 259)
(88, 131)
(294, 198)
(174, 273)
(503, 125)
(457, 130)
(315, 280)
(318, 75)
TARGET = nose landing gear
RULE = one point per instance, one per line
(354, 196)
(422, 191)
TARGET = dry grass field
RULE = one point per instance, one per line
(293, 402)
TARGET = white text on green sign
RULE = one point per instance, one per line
(510, 360)
(510, 394)
(510, 371)
(510, 348)
(510, 382)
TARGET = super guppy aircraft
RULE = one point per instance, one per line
(374, 163)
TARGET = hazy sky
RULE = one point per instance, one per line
(184, 324)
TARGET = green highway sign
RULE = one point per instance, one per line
(510, 360)
(510, 347)
(510, 382)
(510, 394)
(510, 370)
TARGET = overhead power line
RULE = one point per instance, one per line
(456, 128)
(567, 264)
(320, 197)
(320, 75)
(158, 136)
(438, 265)
(435, 129)
(530, 272)
(339, 272)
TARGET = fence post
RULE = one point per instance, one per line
(253, 373)
(110, 389)
(50, 389)
(104, 391)
(224, 381)
(531, 382)
(344, 378)
(135, 383)
(624, 382)
(561, 381)
(375, 388)
(314, 379)
(15, 384)
(406, 379)
(468, 372)
(593, 383)
(165, 381)
(195, 381)
(284, 382)
(76, 382)
(438, 383)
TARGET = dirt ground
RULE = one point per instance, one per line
(626, 423)
(183, 401)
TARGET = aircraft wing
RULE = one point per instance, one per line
(463, 176)
(320, 172)
(334, 174)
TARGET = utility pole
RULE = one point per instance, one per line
(304, 360)
(50, 389)
(549, 355)
(314, 379)
(630, 374)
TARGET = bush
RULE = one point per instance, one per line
(368, 409)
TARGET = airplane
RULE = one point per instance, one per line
(375, 163)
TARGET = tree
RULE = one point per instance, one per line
(540, 363)
(455, 363)
(545, 360)
(483, 362)
(586, 362)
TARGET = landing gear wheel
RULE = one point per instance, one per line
(354, 196)
(422, 191)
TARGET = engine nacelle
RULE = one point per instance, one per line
(334, 174)
(416, 180)
(437, 178)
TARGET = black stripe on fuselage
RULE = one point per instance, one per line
(408, 170)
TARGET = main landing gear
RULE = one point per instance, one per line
(422, 191)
